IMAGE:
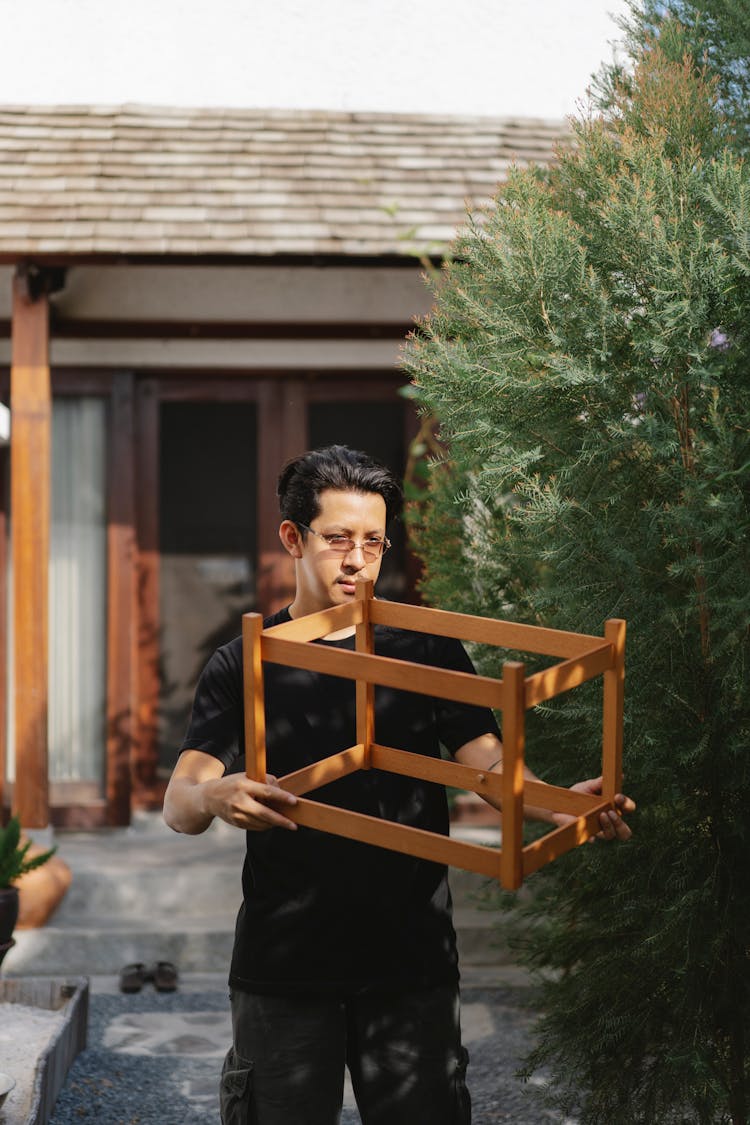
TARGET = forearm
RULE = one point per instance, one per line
(486, 753)
(186, 805)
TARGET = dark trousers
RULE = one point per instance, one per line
(403, 1051)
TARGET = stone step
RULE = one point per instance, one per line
(183, 892)
(195, 890)
(126, 872)
(104, 945)
(147, 894)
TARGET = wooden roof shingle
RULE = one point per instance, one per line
(138, 180)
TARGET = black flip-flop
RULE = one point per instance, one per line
(164, 976)
(133, 977)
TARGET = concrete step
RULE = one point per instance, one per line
(147, 894)
(104, 945)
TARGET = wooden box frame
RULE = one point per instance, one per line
(583, 658)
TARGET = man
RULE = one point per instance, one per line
(344, 953)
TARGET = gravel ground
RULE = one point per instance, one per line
(109, 1087)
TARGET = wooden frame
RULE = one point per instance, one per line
(583, 658)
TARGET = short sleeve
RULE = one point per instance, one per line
(459, 723)
(216, 722)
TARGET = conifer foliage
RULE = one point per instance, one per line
(588, 358)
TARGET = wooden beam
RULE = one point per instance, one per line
(313, 626)
(439, 770)
(568, 674)
(536, 794)
(323, 772)
(31, 414)
(481, 691)
(365, 692)
(483, 630)
(395, 837)
(91, 329)
(255, 705)
(561, 840)
(144, 755)
(4, 458)
(614, 694)
(120, 601)
(514, 745)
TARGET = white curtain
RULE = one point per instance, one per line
(78, 591)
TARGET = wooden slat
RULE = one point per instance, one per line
(120, 601)
(401, 674)
(612, 720)
(536, 794)
(255, 711)
(395, 837)
(436, 769)
(514, 743)
(31, 412)
(562, 840)
(326, 770)
(562, 677)
(313, 626)
(466, 627)
(365, 693)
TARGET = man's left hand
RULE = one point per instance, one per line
(613, 826)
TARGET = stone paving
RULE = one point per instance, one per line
(154, 1059)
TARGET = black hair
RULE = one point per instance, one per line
(340, 469)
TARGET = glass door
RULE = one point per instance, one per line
(208, 466)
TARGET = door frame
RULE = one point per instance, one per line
(281, 401)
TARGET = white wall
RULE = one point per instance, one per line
(498, 57)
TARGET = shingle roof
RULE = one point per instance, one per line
(139, 180)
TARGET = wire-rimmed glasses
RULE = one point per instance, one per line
(372, 548)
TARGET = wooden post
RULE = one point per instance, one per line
(514, 740)
(120, 603)
(144, 753)
(4, 457)
(255, 708)
(31, 415)
(363, 642)
(614, 694)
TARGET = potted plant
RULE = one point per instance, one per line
(14, 862)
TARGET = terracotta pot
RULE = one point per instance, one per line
(41, 891)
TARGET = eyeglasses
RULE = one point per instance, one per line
(372, 548)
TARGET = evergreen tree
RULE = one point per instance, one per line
(587, 357)
(716, 33)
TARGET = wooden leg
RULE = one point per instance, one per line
(514, 739)
(363, 642)
(255, 711)
(614, 689)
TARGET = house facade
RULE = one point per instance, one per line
(187, 299)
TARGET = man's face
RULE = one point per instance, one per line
(325, 577)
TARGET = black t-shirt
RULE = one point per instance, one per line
(321, 913)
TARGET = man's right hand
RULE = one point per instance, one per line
(199, 790)
(248, 804)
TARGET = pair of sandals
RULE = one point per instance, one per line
(162, 974)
